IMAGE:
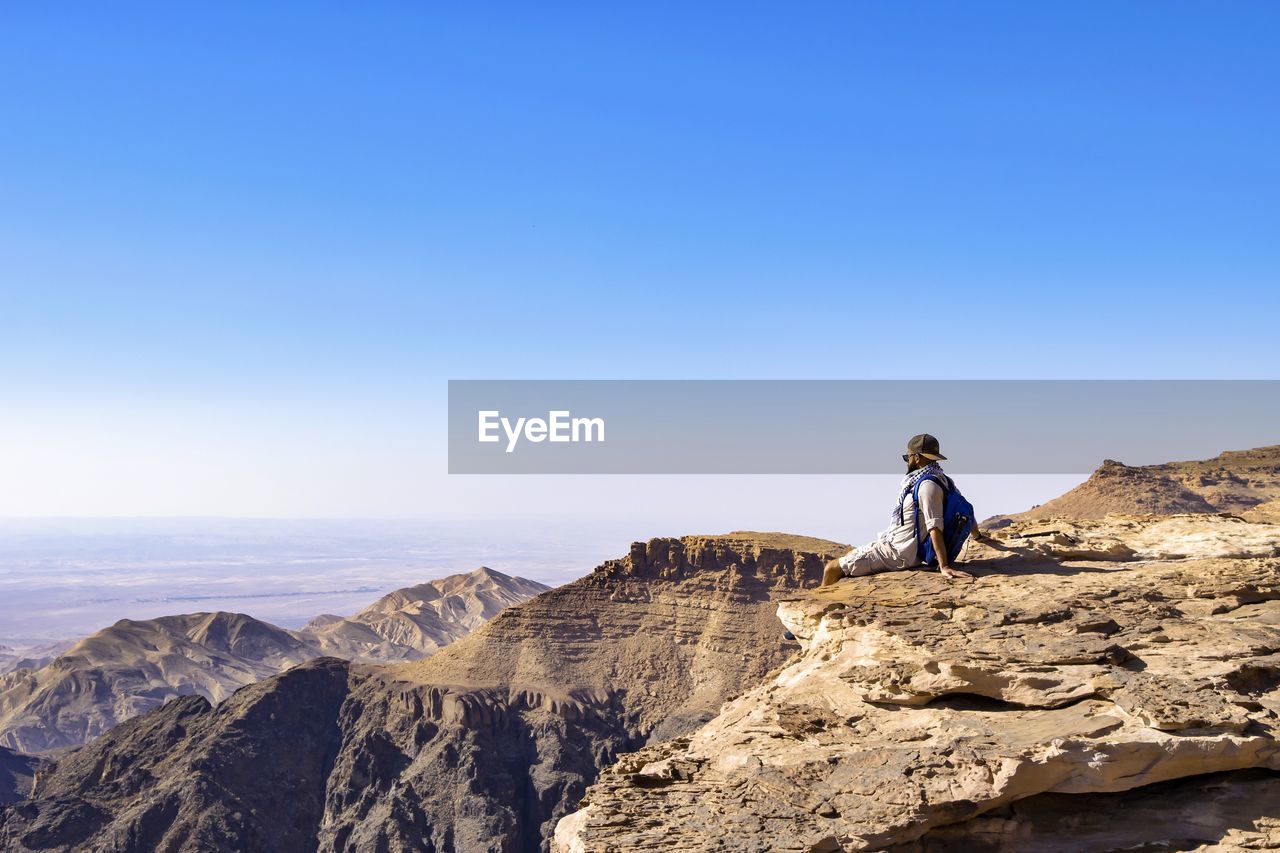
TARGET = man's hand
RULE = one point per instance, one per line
(949, 572)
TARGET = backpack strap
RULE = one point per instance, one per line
(915, 503)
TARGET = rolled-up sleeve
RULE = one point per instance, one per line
(931, 507)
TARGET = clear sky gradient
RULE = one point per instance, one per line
(243, 248)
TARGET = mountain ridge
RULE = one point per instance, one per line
(134, 666)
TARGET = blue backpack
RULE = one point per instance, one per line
(957, 521)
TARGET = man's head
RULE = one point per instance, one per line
(921, 450)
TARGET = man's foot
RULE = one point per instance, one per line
(956, 573)
(787, 635)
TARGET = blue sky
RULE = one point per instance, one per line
(243, 249)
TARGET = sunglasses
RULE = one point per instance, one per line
(906, 457)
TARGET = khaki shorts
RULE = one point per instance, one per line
(868, 560)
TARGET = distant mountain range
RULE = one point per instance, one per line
(413, 622)
(31, 658)
(137, 665)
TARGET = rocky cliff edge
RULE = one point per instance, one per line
(1090, 657)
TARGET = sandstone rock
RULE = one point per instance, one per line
(1268, 512)
(1117, 537)
(1235, 811)
(919, 703)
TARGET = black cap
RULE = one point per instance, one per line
(926, 445)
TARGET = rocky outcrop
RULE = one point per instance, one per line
(919, 704)
(1234, 482)
(483, 746)
(1235, 811)
(1127, 538)
(1268, 512)
(137, 665)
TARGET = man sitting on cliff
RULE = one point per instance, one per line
(902, 545)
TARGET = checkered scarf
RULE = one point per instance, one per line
(933, 469)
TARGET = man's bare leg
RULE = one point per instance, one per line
(832, 572)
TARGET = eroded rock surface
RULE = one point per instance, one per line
(1234, 811)
(1126, 538)
(919, 703)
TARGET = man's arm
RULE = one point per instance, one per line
(944, 562)
(930, 510)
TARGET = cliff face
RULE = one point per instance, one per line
(1100, 657)
(486, 744)
(481, 747)
(678, 626)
